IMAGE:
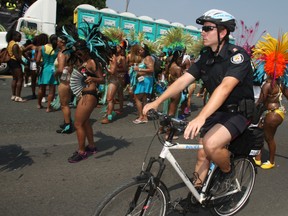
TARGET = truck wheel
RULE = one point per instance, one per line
(4, 69)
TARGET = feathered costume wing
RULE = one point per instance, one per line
(90, 38)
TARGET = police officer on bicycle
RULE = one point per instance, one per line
(227, 74)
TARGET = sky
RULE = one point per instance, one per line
(271, 15)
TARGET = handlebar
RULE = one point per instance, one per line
(168, 121)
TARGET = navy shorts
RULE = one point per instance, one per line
(234, 122)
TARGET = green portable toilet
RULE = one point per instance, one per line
(162, 27)
(110, 18)
(194, 31)
(85, 14)
(129, 21)
(148, 26)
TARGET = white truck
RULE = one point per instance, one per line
(40, 16)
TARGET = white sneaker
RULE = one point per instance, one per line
(13, 97)
(25, 85)
(43, 100)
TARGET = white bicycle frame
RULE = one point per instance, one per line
(166, 154)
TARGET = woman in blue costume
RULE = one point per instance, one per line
(145, 80)
(47, 53)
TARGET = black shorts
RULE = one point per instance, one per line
(14, 64)
(234, 122)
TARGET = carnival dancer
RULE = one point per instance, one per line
(132, 59)
(63, 74)
(271, 58)
(45, 58)
(176, 41)
(13, 38)
(89, 56)
(145, 81)
(116, 73)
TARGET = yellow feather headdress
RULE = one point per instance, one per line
(271, 55)
(175, 40)
(116, 35)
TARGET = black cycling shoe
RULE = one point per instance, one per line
(223, 183)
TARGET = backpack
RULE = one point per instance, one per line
(4, 56)
(250, 142)
(157, 64)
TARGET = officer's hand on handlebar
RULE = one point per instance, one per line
(153, 105)
(194, 127)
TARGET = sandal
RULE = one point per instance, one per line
(39, 107)
(138, 121)
(267, 165)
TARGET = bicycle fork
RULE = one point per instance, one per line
(152, 183)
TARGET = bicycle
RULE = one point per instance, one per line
(147, 194)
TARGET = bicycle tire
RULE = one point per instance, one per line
(118, 202)
(245, 174)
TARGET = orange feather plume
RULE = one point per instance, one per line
(274, 54)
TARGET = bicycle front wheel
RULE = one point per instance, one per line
(245, 180)
(132, 199)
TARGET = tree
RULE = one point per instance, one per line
(65, 9)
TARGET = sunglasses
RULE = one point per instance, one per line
(208, 28)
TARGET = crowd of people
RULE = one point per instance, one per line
(94, 72)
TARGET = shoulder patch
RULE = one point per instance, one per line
(237, 59)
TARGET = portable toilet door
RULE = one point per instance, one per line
(129, 22)
(110, 18)
(84, 14)
(148, 26)
(162, 27)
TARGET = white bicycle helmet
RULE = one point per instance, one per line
(219, 17)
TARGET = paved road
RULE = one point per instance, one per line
(36, 179)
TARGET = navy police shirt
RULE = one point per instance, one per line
(231, 61)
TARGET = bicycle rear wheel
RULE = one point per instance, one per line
(130, 200)
(245, 179)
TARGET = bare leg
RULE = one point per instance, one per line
(173, 106)
(33, 82)
(138, 101)
(41, 93)
(50, 97)
(82, 114)
(65, 98)
(13, 83)
(215, 148)
(19, 81)
(271, 123)
(201, 167)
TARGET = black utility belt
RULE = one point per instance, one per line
(246, 107)
(231, 108)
